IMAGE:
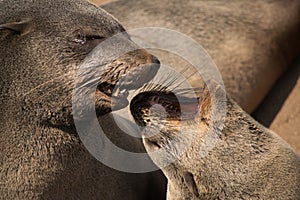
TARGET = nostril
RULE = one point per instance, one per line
(155, 64)
(154, 60)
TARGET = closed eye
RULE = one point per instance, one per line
(94, 37)
(82, 37)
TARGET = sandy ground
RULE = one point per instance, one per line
(280, 111)
(287, 123)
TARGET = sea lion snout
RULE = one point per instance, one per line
(162, 115)
(128, 72)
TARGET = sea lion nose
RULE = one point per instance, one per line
(144, 67)
(154, 60)
(152, 63)
(155, 64)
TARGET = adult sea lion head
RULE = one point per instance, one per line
(44, 42)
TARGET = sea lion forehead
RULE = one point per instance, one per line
(36, 5)
(60, 13)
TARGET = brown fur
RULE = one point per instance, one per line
(39, 161)
(251, 42)
(248, 161)
(41, 154)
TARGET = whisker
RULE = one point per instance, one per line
(45, 83)
(51, 91)
(186, 78)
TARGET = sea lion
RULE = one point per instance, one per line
(247, 161)
(251, 42)
(280, 110)
(43, 44)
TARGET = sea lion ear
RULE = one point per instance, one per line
(213, 94)
(19, 27)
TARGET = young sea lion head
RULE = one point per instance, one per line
(45, 42)
(173, 122)
(175, 126)
(205, 152)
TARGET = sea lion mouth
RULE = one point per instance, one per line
(166, 106)
(121, 76)
(161, 114)
(112, 88)
(109, 100)
(106, 88)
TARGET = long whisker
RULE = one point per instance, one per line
(189, 76)
(45, 83)
(52, 90)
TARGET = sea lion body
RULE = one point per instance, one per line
(251, 42)
(43, 44)
(41, 48)
(247, 161)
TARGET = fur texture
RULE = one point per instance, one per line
(251, 42)
(42, 45)
(246, 161)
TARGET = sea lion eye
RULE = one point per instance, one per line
(94, 37)
(82, 38)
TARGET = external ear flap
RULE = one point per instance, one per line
(21, 27)
(213, 99)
